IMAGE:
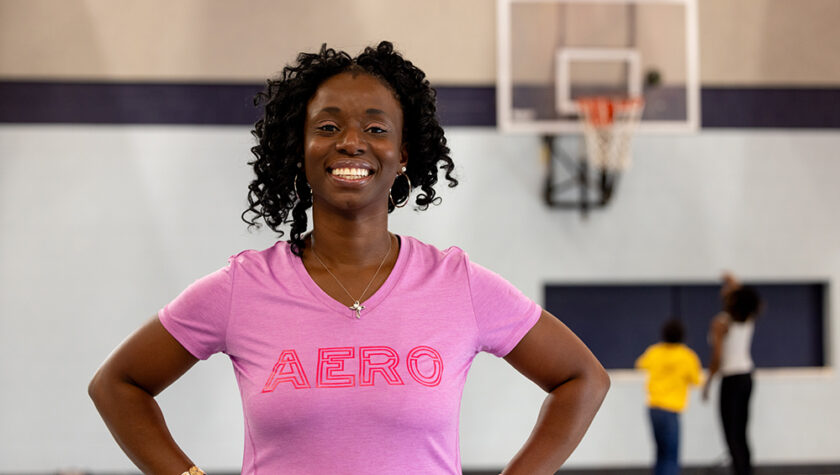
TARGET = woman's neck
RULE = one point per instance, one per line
(343, 241)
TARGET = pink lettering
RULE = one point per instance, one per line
(381, 360)
(424, 364)
(413, 364)
(330, 364)
(287, 370)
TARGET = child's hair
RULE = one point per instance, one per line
(673, 331)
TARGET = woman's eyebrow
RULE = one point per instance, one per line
(330, 110)
(337, 110)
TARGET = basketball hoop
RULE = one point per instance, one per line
(608, 126)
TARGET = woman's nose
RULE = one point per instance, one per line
(351, 142)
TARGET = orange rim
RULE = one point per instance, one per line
(601, 111)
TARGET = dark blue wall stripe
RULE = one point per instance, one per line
(770, 107)
(467, 106)
(127, 103)
(231, 104)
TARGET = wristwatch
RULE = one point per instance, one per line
(194, 471)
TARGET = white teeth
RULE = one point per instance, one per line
(350, 172)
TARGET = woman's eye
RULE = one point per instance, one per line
(376, 130)
(328, 128)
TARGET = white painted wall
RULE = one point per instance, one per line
(103, 225)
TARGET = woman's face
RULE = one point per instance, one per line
(353, 146)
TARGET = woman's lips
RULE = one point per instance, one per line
(351, 176)
(350, 171)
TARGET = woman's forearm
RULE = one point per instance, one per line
(714, 365)
(563, 420)
(136, 422)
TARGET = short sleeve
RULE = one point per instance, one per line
(503, 314)
(198, 317)
(643, 362)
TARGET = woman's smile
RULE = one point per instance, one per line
(351, 171)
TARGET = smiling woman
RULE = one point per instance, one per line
(339, 368)
(404, 106)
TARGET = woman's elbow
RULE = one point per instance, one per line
(94, 388)
(602, 381)
(599, 381)
(100, 386)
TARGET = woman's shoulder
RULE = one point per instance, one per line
(431, 253)
(277, 254)
(428, 261)
(721, 322)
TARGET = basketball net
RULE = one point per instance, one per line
(608, 126)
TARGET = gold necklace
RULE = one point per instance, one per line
(356, 307)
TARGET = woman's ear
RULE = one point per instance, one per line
(404, 154)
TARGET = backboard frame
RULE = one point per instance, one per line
(565, 57)
(504, 77)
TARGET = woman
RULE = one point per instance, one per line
(730, 336)
(350, 344)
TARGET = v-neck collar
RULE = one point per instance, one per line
(371, 302)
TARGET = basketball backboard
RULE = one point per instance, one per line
(553, 52)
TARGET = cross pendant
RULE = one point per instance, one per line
(356, 307)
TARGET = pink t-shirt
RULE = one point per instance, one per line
(325, 392)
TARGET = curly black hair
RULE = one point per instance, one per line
(280, 185)
(742, 303)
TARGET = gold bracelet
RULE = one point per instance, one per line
(194, 471)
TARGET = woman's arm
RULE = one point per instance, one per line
(554, 358)
(123, 390)
(717, 330)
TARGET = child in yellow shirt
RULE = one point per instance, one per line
(672, 367)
